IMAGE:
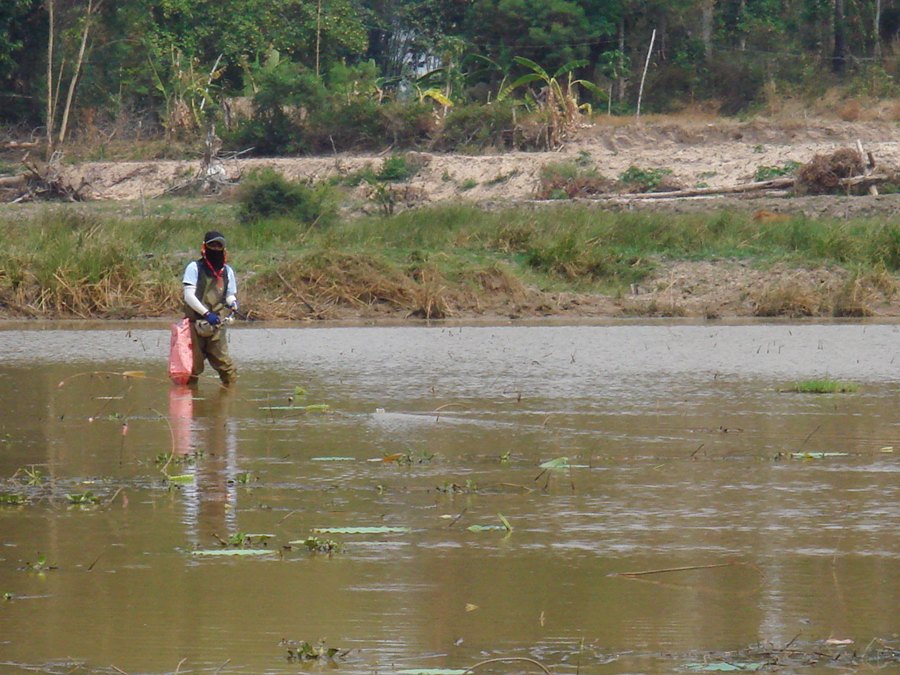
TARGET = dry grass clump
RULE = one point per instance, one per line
(119, 294)
(558, 187)
(854, 299)
(319, 286)
(854, 296)
(823, 173)
(789, 299)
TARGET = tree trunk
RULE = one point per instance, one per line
(706, 26)
(50, 120)
(77, 74)
(620, 80)
(877, 29)
(839, 61)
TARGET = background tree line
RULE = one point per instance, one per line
(341, 74)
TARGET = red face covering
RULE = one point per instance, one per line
(216, 259)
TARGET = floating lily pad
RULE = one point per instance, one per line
(233, 552)
(382, 529)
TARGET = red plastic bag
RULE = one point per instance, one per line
(181, 356)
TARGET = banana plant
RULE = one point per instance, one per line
(560, 100)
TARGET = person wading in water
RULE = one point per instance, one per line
(210, 295)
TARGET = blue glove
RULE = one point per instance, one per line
(213, 319)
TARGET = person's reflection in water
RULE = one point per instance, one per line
(205, 445)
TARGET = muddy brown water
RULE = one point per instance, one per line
(681, 443)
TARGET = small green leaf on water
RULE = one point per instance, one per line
(232, 552)
(486, 528)
(558, 463)
(82, 498)
(817, 455)
(299, 391)
(181, 479)
(382, 529)
(332, 459)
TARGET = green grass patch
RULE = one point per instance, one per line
(825, 386)
(103, 260)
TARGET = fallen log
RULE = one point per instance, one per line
(13, 181)
(774, 187)
(18, 145)
(774, 184)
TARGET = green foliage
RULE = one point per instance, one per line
(304, 651)
(570, 179)
(643, 180)
(480, 127)
(769, 172)
(824, 386)
(395, 169)
(268, 194)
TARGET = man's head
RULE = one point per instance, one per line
(213, 249)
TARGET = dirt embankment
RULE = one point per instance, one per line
(709, 154)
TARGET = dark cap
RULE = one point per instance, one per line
(212, 236)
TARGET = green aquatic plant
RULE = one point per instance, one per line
(824, 386)
(40, 565)
(11, 499)
(376, 529)
(233, 552)
(320, 545)
(83, 498)
(30, 475)
(304, 651)
(503, 526)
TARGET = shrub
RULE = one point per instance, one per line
(395, 169)
(636, 179)
(266, 194)
(770, 172)
(567, 180)
(478, 126)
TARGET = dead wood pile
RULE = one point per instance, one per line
(41, 181)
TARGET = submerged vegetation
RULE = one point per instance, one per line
(428, 263)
